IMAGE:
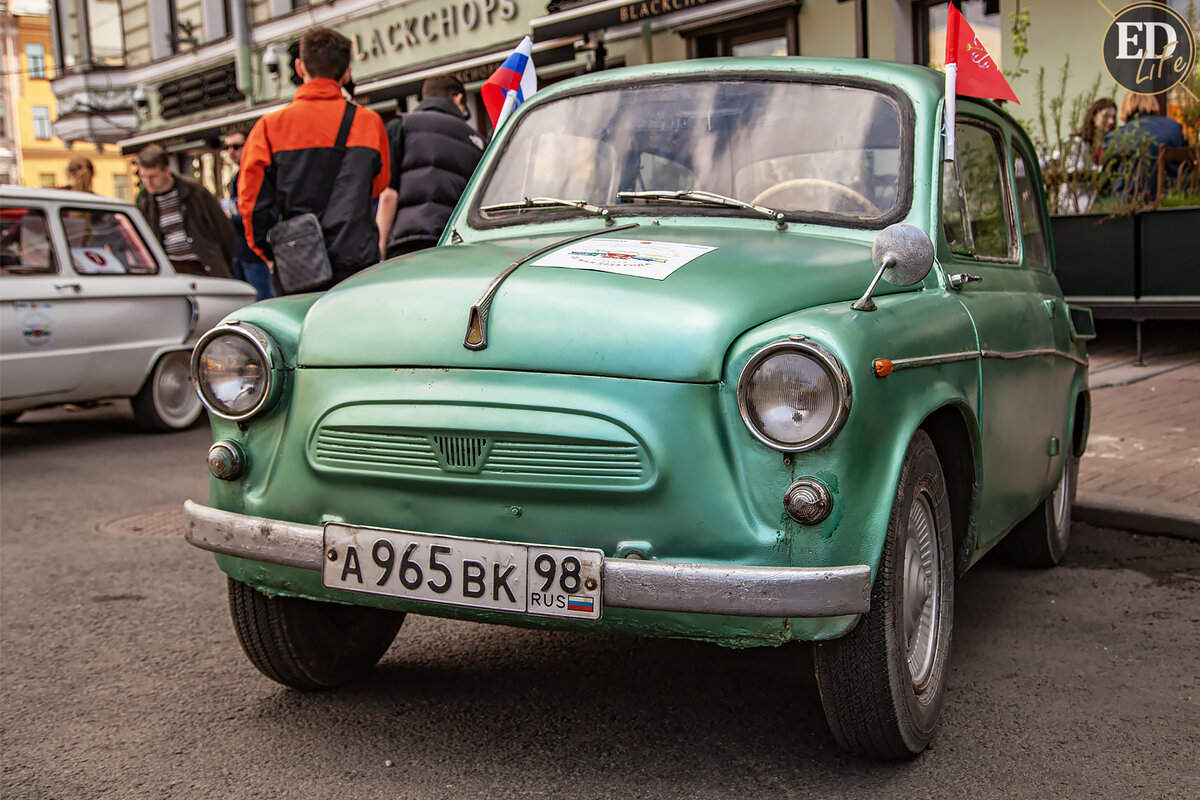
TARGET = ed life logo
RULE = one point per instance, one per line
(1149, 48)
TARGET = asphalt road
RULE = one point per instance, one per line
(120, 675)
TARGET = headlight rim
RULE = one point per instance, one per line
(265, 347)
(838, 377)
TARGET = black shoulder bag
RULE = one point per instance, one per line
(301, 259)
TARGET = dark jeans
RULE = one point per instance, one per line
(409, 247)
(256, 274)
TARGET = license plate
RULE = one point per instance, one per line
(457, 571)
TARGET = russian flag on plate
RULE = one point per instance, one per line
(580, 604)
(512, 84)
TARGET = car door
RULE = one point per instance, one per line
(44, 343)
(1015, 338)
(133, 306)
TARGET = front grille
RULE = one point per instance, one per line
(501, 458)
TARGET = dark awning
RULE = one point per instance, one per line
(575, 19)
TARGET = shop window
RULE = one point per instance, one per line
(771, 34)
(930, 29)
(41, 122)
(35, 59)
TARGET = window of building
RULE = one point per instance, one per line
(35, 59)
(47, 180)
(107, 33)
(3, 122)
(770, 34)
(930, 29)
(121, 186)
(41, 122)
(298, 4)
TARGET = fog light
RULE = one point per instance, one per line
(807, 501)
(226, 460)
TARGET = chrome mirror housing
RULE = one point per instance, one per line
(902, 256)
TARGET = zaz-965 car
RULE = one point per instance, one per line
(725, 354)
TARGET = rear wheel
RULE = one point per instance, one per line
(168, 401)
(882, 685)
(1041, 539)
(306, 644)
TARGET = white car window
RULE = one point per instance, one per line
(106, 243)
(25, 247)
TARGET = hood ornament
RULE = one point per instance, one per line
(477, 318)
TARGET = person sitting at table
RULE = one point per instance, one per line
(1131, 151)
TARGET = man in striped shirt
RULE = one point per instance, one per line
(188, 220)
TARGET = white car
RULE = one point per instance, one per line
(91, 309)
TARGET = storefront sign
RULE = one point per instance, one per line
(421, 34)
(634, 12)
(606, 13)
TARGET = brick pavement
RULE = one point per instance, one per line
(1144, 445)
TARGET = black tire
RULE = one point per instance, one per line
(883, 688)
(306, 644)
(1041, 539)
(167, 400)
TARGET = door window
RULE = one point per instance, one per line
(25, 247)
(975, 211)
(1033, 238)
(106, 243)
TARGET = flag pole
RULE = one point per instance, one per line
(952, 14)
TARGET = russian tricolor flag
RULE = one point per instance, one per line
(585, 604)
(511, 85)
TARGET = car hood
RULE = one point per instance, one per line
(413, 311)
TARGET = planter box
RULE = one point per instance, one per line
(1142, 266)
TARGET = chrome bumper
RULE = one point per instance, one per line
(627, 583)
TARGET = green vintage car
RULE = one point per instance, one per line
(722, 350)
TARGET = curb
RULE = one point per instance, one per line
(1137, 514)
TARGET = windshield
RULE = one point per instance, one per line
(801, 148)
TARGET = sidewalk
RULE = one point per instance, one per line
(1141, 470)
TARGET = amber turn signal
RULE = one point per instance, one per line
(882, 367)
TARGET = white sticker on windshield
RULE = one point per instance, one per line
(654, 260)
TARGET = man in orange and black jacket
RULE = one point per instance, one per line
(288, 149)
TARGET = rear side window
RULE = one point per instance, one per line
(974, 209)
(25, 247)
(106, 243)
(1033, 238)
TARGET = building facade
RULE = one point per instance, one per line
(31, 152)
(182, 72)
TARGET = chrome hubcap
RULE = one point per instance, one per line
(922, 591)
(174, 394)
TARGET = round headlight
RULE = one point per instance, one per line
(232, 367)
(793, 395)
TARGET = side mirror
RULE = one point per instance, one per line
(902, 255)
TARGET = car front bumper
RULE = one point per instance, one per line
(744, 591)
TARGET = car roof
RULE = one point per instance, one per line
(12, 195)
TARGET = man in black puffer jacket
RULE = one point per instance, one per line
(433, 153)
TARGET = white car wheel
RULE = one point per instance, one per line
(168, 401)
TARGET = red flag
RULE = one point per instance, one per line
(978, 74)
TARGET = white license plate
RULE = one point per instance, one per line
(453, 570)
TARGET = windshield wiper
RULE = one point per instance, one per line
(550, 202)
(707, 198)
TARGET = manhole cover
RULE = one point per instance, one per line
(163, 523)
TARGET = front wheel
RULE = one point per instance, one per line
(307, 644)
(167, 400)
(882, 685)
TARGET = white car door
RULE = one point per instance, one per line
(44, 338)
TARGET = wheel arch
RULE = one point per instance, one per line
(956, 441)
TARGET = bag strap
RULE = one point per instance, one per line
(335, 164)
